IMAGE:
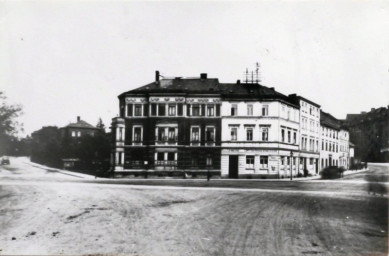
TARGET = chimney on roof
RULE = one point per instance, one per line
(372, 109)
(272, 88)
(203, 75)
(238, 82)
(78, 119)
(157, 76)
(363, 112)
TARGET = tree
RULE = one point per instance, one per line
(100, 125)
(9, 126)
(8, 114)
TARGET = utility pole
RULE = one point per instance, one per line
(291, 160)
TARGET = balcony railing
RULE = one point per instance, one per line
(166, 162)
(167, 139)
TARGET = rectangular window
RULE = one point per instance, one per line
(250, 162)
(217, 110)
(138, 110)
(78, 134)
(294, 137)
(282, 135)
(137, 134)
(172, 110)
(250, 109)
(180, 109)
(210, 134)
(234, 110)
(195, 134)
(249, 134)
(265, 134)
(170, 156)
(161, 134)
(263, 160)
(203, 110)
(209, 161)
(73, 134)
(196, 110)
(234, 133)
(129, 110)
(210, 110)
(289, 136)
(160, 156)
(153, 109)
(265, 110)
(172, 134)
(145, 110)
(161, 110)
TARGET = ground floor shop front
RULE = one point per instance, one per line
(248, 163)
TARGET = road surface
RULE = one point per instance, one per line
(48, 212)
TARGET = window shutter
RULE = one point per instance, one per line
(203, 109)
(129, 110)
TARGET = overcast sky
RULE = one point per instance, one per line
(63, 59)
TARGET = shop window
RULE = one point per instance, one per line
(263, 161)
(250, 162)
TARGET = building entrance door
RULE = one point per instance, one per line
(233, 167)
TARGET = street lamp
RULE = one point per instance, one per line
(291, 160)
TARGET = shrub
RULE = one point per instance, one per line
(331, 172)
(299, 175)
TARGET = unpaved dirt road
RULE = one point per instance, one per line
(52, 213)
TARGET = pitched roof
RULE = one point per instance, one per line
(296, 98)
(81, 124)
(328, 120)
(210, 86)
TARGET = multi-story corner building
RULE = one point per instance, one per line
(168, 125)
(330, 129)
(309, 127)
(233, 129)
(260, 132)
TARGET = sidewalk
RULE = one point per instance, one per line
(66, 172)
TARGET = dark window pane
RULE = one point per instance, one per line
(179, 109)
(217, 110)
(129, 110)
(161, 110)
(153, 109)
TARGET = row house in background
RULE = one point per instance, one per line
(260, 132)
(330, 130)
(344, 147)
(232, 129)
(309, 127)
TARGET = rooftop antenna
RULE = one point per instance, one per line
(247, 75)
(252, 77)
(257, 73)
